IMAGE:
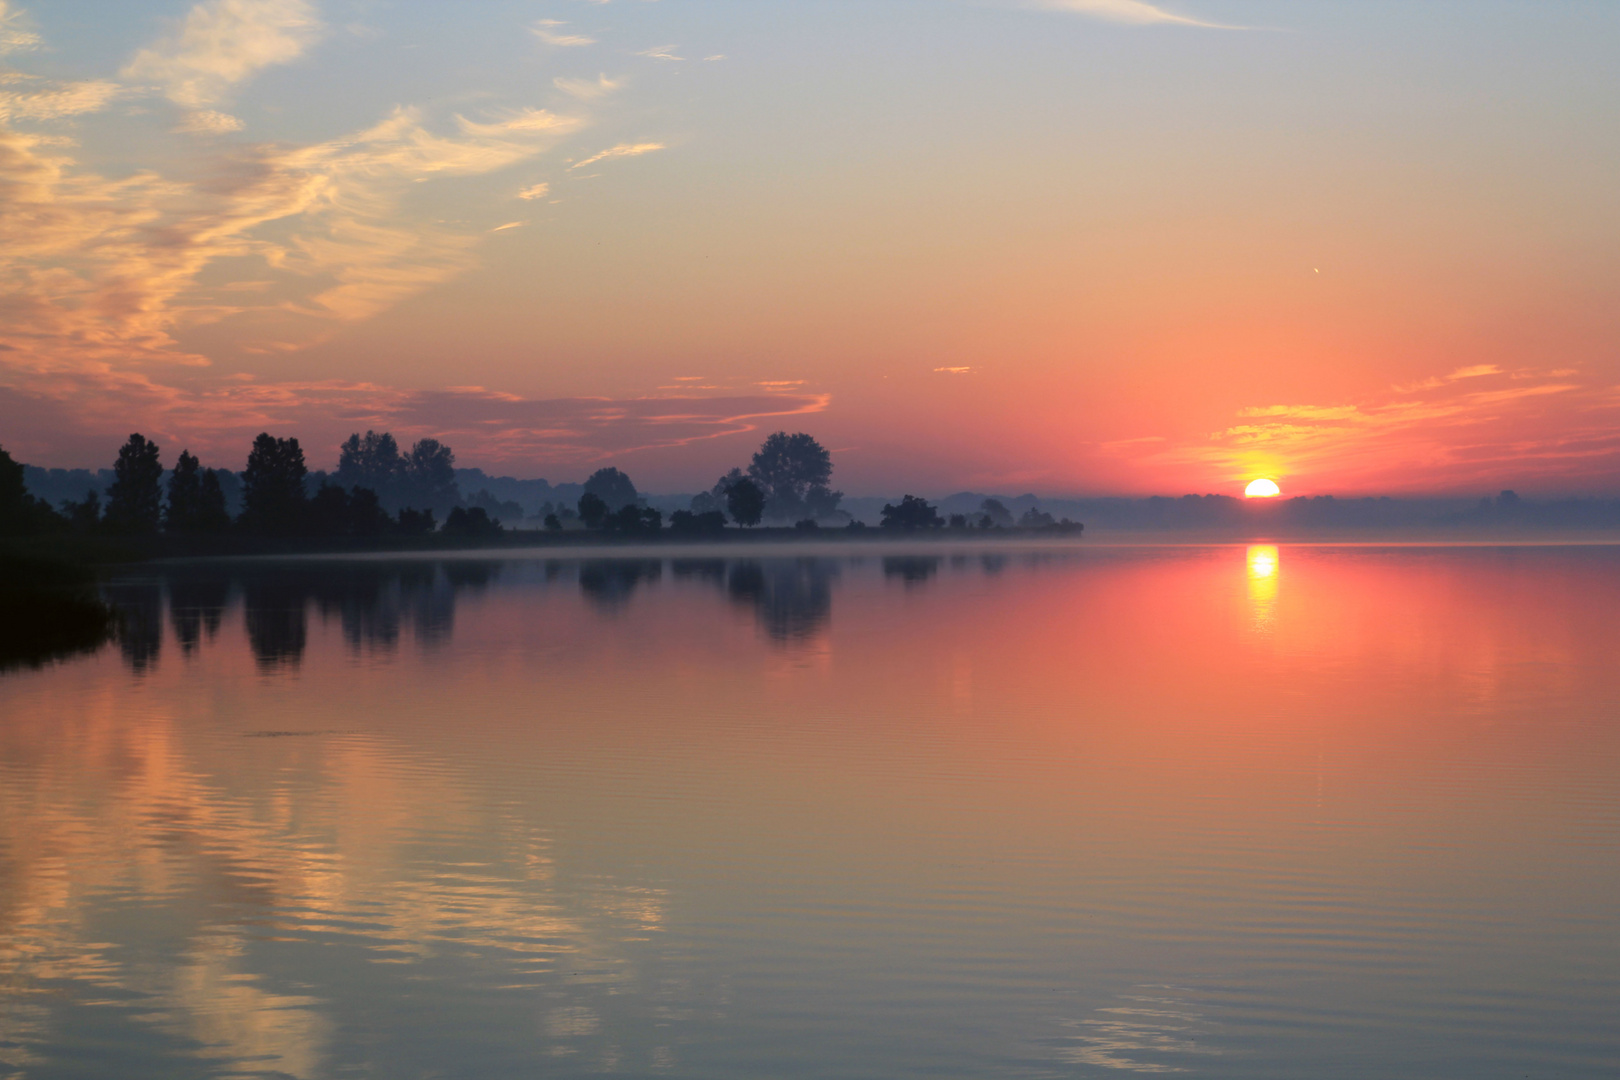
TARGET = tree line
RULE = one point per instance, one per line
(380, 489)
(376, 490)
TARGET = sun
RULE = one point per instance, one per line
(1262, 489)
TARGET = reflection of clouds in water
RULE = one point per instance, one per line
(375, 858)
(572, 1021)
(233, 1020)
(1154, 1025)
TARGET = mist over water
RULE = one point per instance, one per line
(1225, 811)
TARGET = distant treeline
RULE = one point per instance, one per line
(378, 490)
(1503, 511)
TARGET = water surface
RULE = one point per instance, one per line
(1225, 811)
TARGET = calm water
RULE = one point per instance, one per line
(1226, 811)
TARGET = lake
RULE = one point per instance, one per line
(856, 811)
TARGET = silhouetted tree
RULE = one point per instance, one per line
(793, 471)
(135, 500)
(912, 513)
(185, 494)
(507, 509)
(273, 486)
(715, 497)
(83, 516)
(997, 513)
(416, 522)
(686, 523)
(366, 514)
(196, 501)
(746, 502)
(430, 476)
(373, 462)
(15, 502)
(592, 510)
(553, 523)
(20, 512)
(612, 487)
(471, 521)
(212, 517)
(634, 520)
(335, 512)
(1036, 518)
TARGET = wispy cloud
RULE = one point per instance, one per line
(1473, 372)
(222, 43)
(1130, 12)
(218, 420)
(208, 122)
(535, 191)
(1448, 431)
(15, 36)
(622, 150)
(587, 89)
(41, 100)
(661, 52)
(99, 274)
(546, 31)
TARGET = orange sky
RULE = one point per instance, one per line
(1079, 246)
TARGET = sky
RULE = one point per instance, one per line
(1063, 246)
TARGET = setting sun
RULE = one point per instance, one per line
(1262, 489)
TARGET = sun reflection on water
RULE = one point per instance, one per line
(1263, 561)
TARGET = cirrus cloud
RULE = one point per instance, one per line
(622, 150)
(1130, 12)
(222, 43)
(14, 33)
(1476, 426)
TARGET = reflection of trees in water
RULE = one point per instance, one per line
(196, 606)
(711, 571)
(140, 633)
(372, 603)
(792, 598)
(911, 569)
(275, 610)
(608, 583)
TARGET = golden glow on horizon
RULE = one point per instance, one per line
(1262, 489)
